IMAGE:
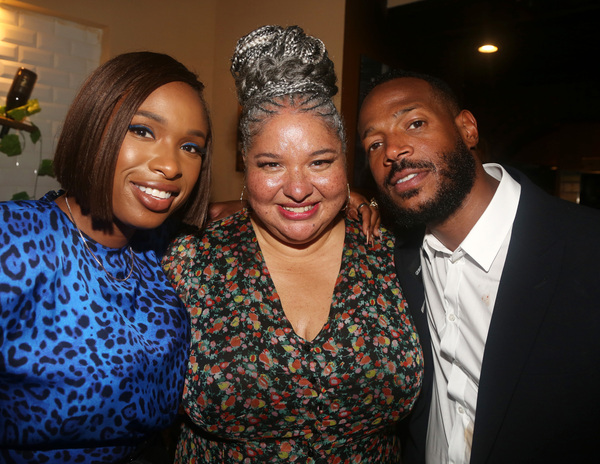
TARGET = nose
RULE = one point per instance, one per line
(298, 185)
(166, 161)
(395, 150)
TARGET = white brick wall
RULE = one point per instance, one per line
(62, 53)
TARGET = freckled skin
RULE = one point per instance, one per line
(296, 161)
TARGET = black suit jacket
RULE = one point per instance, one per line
(539, 391)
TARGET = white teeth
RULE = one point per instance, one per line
(301, 209)
(407, 178)
(154, 192)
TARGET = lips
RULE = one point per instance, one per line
(406, 178)
(298, 213)
(298, 209)
(162, 194)
(157, 198)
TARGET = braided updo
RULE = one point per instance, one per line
(276, 68)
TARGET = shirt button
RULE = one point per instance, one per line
(461, 410)
(452, 317)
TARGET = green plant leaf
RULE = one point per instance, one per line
(18, 114)
(11, 145)
(32, 107)
(21, 112)
(20, 196)
(36, 134)
(46, 168)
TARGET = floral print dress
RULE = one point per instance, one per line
(256, 391)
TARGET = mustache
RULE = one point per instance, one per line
(404, 163)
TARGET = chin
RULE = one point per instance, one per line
(298, 238)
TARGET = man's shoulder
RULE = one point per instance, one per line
(557, 211)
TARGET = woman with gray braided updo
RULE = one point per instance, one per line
(271, 63)
(302, 349)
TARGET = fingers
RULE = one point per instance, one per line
(367, 212)
(375, 217)
(371, 220)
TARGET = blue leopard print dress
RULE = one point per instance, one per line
(257, 392)
(88, 366)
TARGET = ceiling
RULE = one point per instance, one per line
(537, 95)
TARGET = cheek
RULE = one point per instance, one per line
(128, 155)
(259, 185)
(191, 171)
(335, 181)
(377, 170)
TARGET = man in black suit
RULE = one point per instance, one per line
(503, 284)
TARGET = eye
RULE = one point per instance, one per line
(268, 164)
(372, 147)
(141, 131)
(194, 148)
(322, 162)
(416, 124)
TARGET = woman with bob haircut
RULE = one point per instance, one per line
(86, 153)
(93, 338)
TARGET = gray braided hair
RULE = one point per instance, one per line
(276, 68)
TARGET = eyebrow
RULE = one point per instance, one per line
(322, 151)
(395, 115)
(159, 119)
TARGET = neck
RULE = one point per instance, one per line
(454, 230)
(113, 238)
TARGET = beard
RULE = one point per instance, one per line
(457, 172)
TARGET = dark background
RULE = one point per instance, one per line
(537, 99)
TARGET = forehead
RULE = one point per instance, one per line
(297, 126)
(176, 90)
(395, 94)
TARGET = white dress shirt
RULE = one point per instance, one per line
(460, 292)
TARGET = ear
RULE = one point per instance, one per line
(467, 126)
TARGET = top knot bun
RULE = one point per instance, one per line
(272, 61)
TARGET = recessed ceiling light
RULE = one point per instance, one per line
(488, 48)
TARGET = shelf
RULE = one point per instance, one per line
(16, 124)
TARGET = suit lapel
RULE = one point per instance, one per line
(408, 268)
(408, 265)
(530, 273)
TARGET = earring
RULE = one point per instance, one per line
(347, 198)
(242, 195)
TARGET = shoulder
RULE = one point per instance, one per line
(561, 217)
(218, 241)
(33, 240)
(28, 218)
(379, 254)
(354, 236)
(225, 232)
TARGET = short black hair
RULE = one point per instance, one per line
(440, 87)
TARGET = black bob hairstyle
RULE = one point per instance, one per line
(97, 122)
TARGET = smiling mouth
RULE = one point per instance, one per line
(406, 178)
(154, 192)
(298, 209)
